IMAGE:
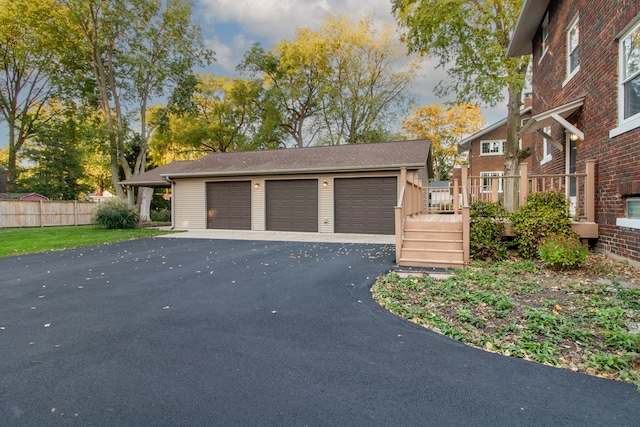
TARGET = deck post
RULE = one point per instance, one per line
(590, 191)
(456, 202)
(466, 228)
(524, 183)
(399, 226)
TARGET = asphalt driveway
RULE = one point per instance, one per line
(187, 332)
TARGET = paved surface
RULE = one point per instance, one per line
(237, 333)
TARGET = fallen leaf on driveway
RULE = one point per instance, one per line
(46, 325)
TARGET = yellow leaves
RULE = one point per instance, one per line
(445, 127)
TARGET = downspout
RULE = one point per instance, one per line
(172, 182)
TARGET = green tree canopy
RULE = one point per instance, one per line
(470, 40)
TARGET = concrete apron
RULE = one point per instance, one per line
(283, 236)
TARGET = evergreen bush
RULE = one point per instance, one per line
(486, 230)
(544, 215)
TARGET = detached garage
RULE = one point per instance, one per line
(331, 189)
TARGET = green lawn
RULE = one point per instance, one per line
(20, 241)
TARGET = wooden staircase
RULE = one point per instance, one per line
(432, 241)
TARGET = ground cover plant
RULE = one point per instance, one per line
(578, 320)
(20, 241)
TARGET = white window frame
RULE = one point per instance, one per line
(575, 24)
(629, 222)
(632, 122)
(546, 147)
(500, 144)
(486, 186)
(545, 37)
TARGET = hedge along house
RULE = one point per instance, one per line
(329, 189)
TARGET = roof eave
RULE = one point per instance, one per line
(529, 20)
(293, 171)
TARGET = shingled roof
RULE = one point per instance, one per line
(325, 159)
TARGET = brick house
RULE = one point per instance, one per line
(586, 104)
(486, 147)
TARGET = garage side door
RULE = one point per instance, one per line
(365, 205)
(229, 205)
(292, 205)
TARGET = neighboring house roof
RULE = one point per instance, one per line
(531, 15)
(465, 144)
(22, 196)
(337, 158)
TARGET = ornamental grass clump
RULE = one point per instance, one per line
(562, 252)
(116, 214)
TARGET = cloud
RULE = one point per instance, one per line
(274, 20)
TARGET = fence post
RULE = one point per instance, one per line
(41, 215)
(524, 183)
(590, 191)
(1, 214)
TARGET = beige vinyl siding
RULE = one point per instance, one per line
(190, 198)
(325, 204)
(190, 201)
(258, 209)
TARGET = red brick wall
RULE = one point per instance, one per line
(492, 163)
(618, 158)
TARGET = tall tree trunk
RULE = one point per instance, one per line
(513, 153)
(145, 194)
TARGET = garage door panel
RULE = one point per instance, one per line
(229, 205)
(292, 205)
(365, 205)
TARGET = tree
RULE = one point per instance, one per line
(334, 85)
(362, 91)
(293, 75)
(138, 50)
(56, 153)
(225, 117)
(28, 35)
(445, 127)
(470, 39)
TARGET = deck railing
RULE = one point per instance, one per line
(410, 202)
(579, 188)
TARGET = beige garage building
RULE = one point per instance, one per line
(329, 189)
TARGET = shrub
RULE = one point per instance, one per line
(544, 214)
(486, 230)
(563, 252)
(115, 214)
(161, 215)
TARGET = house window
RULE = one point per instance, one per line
(573, 38)
(633, 208)
(487, 181)
(546, 147)
(632, 219)
(545, 36)
(629, 82)
(630, 56)
(492, 148)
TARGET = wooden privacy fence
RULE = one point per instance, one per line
(44, 213)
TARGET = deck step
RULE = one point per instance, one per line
(413, 262)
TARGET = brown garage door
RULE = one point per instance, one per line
(292, 205)
(365, 205)
(229, 205)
